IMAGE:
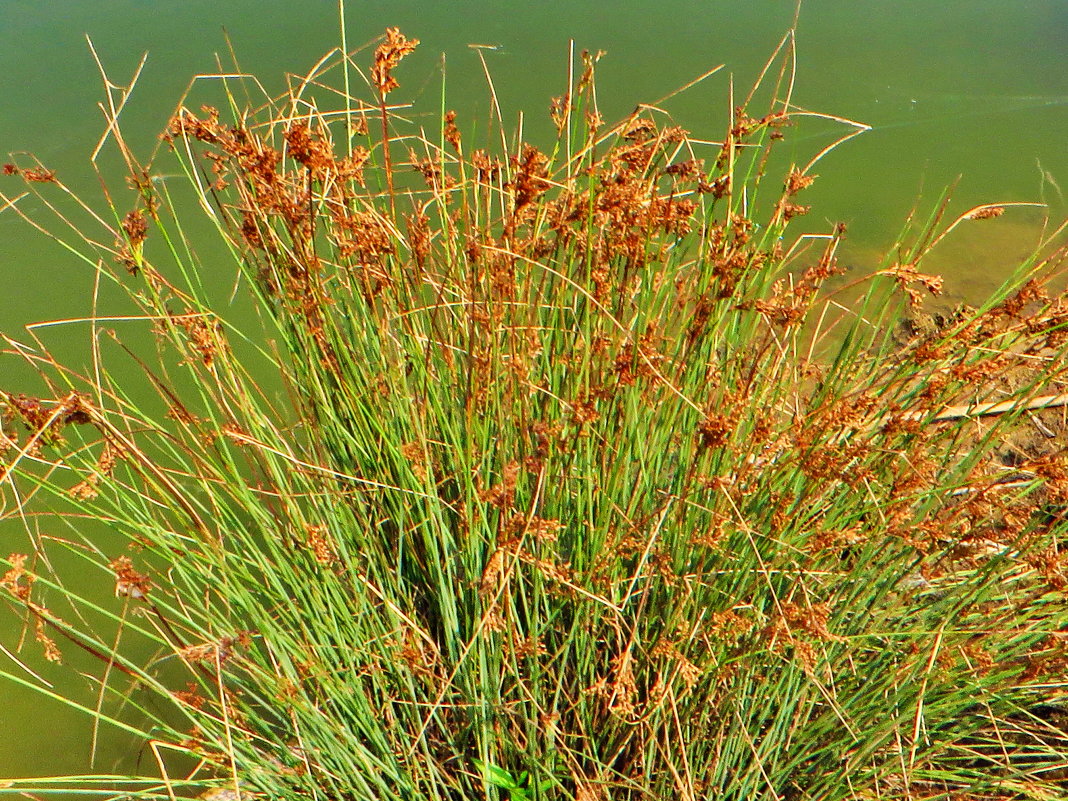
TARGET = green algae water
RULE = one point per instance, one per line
(969, 94)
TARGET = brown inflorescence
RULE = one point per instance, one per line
(38, 175)
(619, 342)
(221, 650)
(907, 276)
(129, 583)
(450, 132)
(204, 335)
(987, 213)
(129, 251)
(321, 545)
(387, 56)
(12, 580)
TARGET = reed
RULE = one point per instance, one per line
(567, 473)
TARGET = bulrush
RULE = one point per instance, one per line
(570, 470)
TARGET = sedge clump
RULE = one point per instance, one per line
(554, 473)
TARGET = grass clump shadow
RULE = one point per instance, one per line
(541, 474)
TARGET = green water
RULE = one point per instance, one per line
(968, 93)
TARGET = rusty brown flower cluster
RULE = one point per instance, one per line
(387, 56)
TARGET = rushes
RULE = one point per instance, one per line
(561, 473)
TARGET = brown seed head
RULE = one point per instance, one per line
(451, 132)
(322, 547)
(40, 176)
(128, 582)
(714, 431)
(387, 56)
(135, 227)
(12, 579)
(798, 181)
(51, 650)
(985, 213)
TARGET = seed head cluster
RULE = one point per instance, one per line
(579, 471)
